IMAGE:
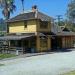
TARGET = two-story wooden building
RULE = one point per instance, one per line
(34, 32)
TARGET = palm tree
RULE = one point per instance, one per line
(7, 7)
(22, 4)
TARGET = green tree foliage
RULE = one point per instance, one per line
(61, 23)
(2, 25)
(71, 11)
(71, 15)
(7, 7)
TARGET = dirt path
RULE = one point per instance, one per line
(50, 64)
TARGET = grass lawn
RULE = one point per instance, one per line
(70, 73)
(3, 56)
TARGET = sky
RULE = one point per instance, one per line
(50, 7)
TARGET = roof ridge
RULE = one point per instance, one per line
(44, 14)
(30, 15)
(28, 11)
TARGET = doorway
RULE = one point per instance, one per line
(56, 43)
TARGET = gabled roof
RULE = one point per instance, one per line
(30, 15)
(55, 28)
(66, 29)
(59, 32)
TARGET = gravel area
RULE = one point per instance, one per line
(49, 64)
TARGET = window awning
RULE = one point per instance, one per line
(15, 37)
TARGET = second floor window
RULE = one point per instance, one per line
(25, 24)
(43, 24)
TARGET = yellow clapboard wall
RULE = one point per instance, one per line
(18, 27)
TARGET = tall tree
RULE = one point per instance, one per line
(71, 11)
(7, 7)
(71, 15)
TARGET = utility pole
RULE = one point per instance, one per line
(22, 5)
(59, 17)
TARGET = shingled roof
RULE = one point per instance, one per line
(59, 32)
(55, 29)
(30, 15)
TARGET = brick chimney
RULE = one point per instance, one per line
(34, 9)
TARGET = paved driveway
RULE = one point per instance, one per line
(50, 64)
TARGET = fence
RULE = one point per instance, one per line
(11, 50)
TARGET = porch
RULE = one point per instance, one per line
(21, 44)
(27, 45)
(18, 43)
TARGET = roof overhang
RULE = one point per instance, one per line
(15, 37)
(63, 33)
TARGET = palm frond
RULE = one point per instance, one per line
(8, 7)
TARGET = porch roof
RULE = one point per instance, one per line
(15, 37)
(29, 16)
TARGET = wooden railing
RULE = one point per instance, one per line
(6, 49)
(16, 48)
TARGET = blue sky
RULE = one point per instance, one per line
(50, 7)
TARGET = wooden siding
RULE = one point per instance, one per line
(18, 27)
(43, 29)
(67, 42)
(32, 27)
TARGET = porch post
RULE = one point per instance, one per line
(22, 45)
(16, 43)
(72, 43)
(49, 43)
(63, 42)
(29, 44)
(38, 43)
(8, 47)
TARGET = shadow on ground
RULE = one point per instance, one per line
(62, 50)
